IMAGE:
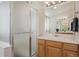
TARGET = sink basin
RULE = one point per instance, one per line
(56, 35)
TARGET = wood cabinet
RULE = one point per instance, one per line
(70, 50)
(49, 48)
(72, 47)
(68, 53)
(41, 51)
(41, 48)
(53, 44)
(53, 52)
(53, 49)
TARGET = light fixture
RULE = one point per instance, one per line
(46, 2)
(60, 1)
(52, 3)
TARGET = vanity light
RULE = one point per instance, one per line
(59, 1)
(46, 2)
(52, 3)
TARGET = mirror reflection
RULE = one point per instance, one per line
(58, 18)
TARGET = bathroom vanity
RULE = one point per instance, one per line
(57, 46)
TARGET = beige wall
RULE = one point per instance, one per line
(40, 23)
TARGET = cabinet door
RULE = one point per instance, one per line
(53, 52)
(67, 53)
(41, 50)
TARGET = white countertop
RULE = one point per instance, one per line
(4, 44)
(60, 37)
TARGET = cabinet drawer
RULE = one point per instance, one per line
(53, 52)
(72, 47)
(41, 41)
(54, 44)
(67, 53)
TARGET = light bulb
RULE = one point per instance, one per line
(53, 2)
(59, 1)
(46, 2)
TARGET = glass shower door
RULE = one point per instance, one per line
(33, 32)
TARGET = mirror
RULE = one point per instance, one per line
(58, 18)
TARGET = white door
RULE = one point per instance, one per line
(21, 45)
(21, 29)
